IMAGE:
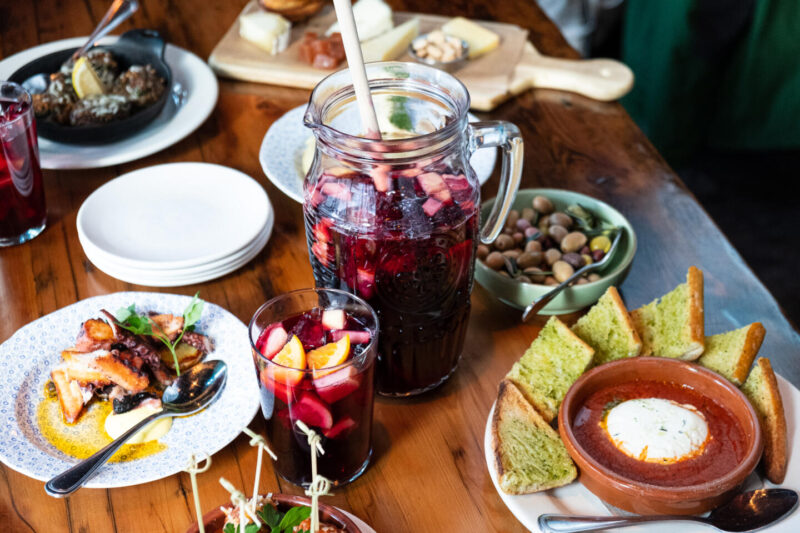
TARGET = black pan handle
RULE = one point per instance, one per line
(148, 39)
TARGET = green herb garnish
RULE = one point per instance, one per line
(399, 116)
(583, 216)
(139, 324)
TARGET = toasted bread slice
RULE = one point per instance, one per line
(70, 395)
(761, 388)
(672, 326)
(731, 354)
(550, 366)
(608, 329)
(528, 453)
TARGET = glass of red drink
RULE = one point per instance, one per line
(22, 209)
(396, 220)
(314, 352)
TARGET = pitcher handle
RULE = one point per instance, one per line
(506, 135)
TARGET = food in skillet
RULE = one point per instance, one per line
(127, 359)
(273, 519)
(93, 90)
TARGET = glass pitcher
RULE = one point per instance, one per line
(396, 220)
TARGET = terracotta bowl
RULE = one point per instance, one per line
(643, 498)
(214, 520)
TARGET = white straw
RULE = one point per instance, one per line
(355, 62)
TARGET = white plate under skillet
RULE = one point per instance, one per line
(282, 149)
(194, 95)
(27, 357)
(574, 499)
(174, 216)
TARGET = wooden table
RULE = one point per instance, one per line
(428, 472)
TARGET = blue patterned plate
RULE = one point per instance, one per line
(28, 356)
(281, 154)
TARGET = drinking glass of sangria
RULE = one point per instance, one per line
(396, 220)
(314, 352)
(22, 208)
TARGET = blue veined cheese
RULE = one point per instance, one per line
(657, 430)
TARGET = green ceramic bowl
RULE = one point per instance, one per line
(519, 295)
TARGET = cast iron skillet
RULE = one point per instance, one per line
(136, 47)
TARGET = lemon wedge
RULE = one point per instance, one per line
(85, 81)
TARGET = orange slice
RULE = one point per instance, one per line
(332, 354)
(291, 355)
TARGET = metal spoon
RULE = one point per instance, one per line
(535, 306)
(119, 11)
(194, 390)
(748, 511)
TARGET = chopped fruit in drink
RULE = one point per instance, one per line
(272, 340)
(457, 183)
(380, 176)
(356, 337)
(433, 185)
(340, 172)
(321, 231)
(340, 428)
(321, 251)
(291, 356)
(310, 409)
(330, 355)
(285, 417)
(431, 206)
(282, 390)
(333, 318)
(366, 283)
(337, 190)
(310, 331)
(411, 172)
(336, 385)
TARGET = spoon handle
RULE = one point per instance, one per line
(71, 480)
(537, 305)
(554, 523)
(119, 11)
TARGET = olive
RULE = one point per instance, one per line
(585, 250)
(573, 242)
(482, 252)
(594, 276)
(508, 231)
(552, 255)
(587, 259)
(513, 254)
(557, 232)
(518, 237)
(524, 279)
(601, 242)
(562, 270)
(581, 281)
(523, 224)
(536, 274)
(495, 261)
(533, 246)
(575, 260)
(562, 219)
(550, 280)
(504, 242)
(543, 223)
(529, 259)
(531, 233)
(528, 214)
(598, 255)
(543, 205)
(504, 273)
(513, 216)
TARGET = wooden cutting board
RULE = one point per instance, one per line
(515, 66)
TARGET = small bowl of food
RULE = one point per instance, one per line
(549, 234)
(660, 436)
(109, 94)
(439, 50)
(332, 520)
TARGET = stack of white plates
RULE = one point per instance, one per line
(175, 224)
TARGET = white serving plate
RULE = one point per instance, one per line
(27, 357)
(574, 499)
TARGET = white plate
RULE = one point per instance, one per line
(28, 356)
(195, 92)
(174, 216)
(190, 277)
(574, 499)
(282, 151)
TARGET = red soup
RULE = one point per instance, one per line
(659, 433)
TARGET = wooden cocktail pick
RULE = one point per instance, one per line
(247, 508)
(320, 485)
(193, 469)
(258, 440)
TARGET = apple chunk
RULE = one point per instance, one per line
(333, 319)
(334, 386)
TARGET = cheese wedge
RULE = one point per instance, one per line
(480, 39)
(391, 44)
(373, 17)
(268, 31)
